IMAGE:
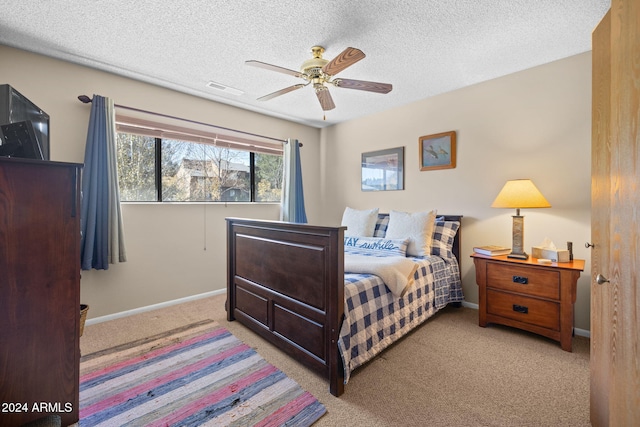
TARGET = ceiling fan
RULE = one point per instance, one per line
(320, 72)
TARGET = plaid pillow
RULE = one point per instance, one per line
(443, 234)
(381, 225)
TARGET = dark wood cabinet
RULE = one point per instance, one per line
(39, 290)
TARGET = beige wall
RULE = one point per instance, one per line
(174, 250)
(533, 124)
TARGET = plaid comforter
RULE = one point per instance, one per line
(374, 318)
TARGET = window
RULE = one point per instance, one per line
(136, 167)
(175, 170)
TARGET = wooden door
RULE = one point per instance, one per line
(615, 194)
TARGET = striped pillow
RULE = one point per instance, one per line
(375, 246)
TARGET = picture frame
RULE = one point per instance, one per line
(437, 151)
(383, 170)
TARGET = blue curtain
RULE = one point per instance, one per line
(292, 192)
(102, 232)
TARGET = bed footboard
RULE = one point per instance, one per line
(285, 281)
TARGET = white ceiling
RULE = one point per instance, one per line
(422, 47)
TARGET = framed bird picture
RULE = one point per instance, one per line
(437, 151)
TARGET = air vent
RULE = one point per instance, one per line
(224, 88)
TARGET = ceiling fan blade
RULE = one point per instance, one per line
(281, 92)
(348, 57)
(326, 101)
(274, 68)
(363, 85)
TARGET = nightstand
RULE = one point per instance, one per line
(524, 294)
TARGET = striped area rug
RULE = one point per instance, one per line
(196, 375)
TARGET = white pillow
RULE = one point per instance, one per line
(359, 222)
(418, 227)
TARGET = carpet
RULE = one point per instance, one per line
(196, 375)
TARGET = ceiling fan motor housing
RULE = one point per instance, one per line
(313, 67)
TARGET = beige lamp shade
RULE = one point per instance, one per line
(520, 194)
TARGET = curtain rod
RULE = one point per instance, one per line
(86, 100)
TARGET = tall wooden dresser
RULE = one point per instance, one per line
(39, 290)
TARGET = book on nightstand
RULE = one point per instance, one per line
(492, 250)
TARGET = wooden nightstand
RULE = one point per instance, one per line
(525, 294)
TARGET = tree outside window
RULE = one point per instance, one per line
(193, 172)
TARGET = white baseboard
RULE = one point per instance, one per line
(577, 331)
(153, 307)
(582, 332)
(470, 305)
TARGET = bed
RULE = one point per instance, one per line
(287, 283)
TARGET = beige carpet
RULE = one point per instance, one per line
(449, 372)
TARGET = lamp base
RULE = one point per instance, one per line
(518, 255)
(517, 249)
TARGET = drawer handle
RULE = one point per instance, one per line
(520, 309)
(521, 280)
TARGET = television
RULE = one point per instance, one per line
(16, 108)
(19, 140)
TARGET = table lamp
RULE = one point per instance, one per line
(519, 194)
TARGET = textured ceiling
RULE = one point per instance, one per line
(422, 47)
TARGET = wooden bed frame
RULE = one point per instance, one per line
(285, 281)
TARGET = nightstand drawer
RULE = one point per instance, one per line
(525, 280)
(524, 309)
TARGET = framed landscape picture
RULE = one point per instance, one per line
(437, 151)
(383, 170)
